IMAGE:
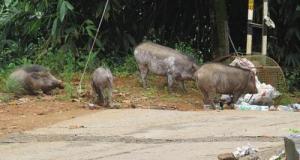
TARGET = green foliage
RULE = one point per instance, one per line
(68, 74)
(284, 40)
(64, 6)
(13, 86)
(294, 131)
(6, 97)
(150, 92)
(186, 48)
(31, 29)
(284, 99)
(70, 90)
(127, 68)
(5, 84)
(293, 78)
(44, 31)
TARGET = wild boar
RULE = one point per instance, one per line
(164, 61)
(102, 84)
(30, 79)
(224, 79)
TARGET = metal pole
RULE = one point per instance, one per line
(249, 27)
(264, 29)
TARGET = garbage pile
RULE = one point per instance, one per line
(247, 151)
(244, 151)
(263, 100)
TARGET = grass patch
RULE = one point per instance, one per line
(13, 86)
(123, 89)
(129, 67)
(6, 97)
(150, 92)
(285, 99)
(170, 97)
(294, 131)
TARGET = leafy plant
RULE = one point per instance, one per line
(284, 44)
(12, 86)
(6, 84)
(6, 97)
(293, 78)
(186, 48)
(294, 130)
(43, 31)
(284, 99)
(69, 69)
(128, 67)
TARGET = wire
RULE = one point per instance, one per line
(90, 52)
(233, 46)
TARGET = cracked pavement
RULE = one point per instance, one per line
(150, 134)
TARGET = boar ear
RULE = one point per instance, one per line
(35, 75)
(252, 76)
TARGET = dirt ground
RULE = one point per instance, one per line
(28, 112)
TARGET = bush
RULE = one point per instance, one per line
(293, 79)
(12, 86)
(128, 67)
(187, 49)
(4, 73)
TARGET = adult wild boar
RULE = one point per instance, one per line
(31, 78)
(224, 79)
(102, 83)
(164, 61)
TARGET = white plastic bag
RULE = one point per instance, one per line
(265, 91)
(245, 150)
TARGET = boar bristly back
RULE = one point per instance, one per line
(32, 78)
(224, 79)
(164, 61)
(102, 84)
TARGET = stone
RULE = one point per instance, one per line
(226, 156)
(292, 147)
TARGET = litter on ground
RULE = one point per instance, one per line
(263, 100)
(244, 151)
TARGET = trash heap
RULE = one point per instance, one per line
(263, 100)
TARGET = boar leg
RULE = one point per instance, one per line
(212, 103)
(236, 96)
(143, 71)
(105, 101)
(101, 97)
(208, 100)
(182, 86)
(94, 92)
(170, 82)
(32, 92)
(108, 97)
(47, 91)
(99, 94)
(205, 97)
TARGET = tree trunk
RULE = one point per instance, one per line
(222, 30)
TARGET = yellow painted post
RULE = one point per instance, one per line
(249, 28)
(264, 29)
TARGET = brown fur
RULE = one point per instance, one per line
(164, 61)
(33, 78)
(223, 79)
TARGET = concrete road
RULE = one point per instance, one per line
(136, 134)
